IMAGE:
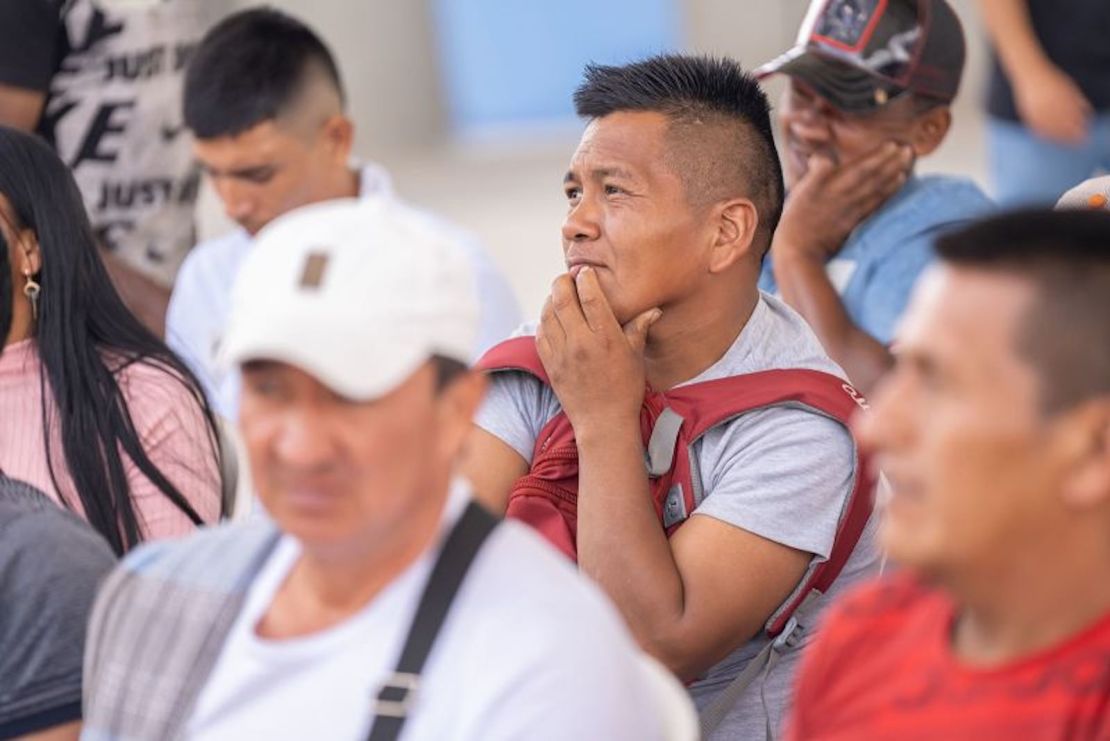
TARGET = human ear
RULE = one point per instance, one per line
(339, 136)
(1087, 444)
(737, 221)
(929, 130)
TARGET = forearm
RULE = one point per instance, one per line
(806, 287)
(621, 543)
(1011, 31)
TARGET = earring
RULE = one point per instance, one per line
(31, 289)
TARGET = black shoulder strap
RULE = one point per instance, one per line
(396, 696)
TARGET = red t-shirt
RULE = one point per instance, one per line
(882, 668)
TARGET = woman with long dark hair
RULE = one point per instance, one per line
(94, 409)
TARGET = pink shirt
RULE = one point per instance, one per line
(166, 416)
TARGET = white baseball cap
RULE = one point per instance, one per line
(356, 292)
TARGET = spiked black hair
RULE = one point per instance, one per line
(721, 117)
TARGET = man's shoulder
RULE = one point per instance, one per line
(878, 611)
(775, 338)
(520, 559)
(527, 611)
(508, 367)
(935, 200)
(174, 577)
(203, 287)
(533, 622)
(958, 193)
(18, 498)
(213, 558)
(152, 628)
(544, 587)
(902, 231)
(32, 526)
(215, 260)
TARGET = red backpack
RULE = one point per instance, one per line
(546, 498)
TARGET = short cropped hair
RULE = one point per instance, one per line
(1065, 335)
(722, 143)
(447, 370)
(250, 68)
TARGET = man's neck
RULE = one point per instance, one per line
(328, 584)
(343, 182)
(688, 340)
(349, 183)
(1031, 604)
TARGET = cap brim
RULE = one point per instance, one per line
(847, 88)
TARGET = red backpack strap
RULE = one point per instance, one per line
(538, 499)
(704, 406)
(517, 354)
(711, 403)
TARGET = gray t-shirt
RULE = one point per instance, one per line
(782, 473)
(51, 563)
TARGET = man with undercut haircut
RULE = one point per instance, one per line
(265, 102)
(994, 432)
(672, 199)
(865, 101)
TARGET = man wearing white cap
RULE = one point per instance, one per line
(380, 599)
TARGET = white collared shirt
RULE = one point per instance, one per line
(198, 310)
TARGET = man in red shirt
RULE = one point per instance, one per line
(994, 433)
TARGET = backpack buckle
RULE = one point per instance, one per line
(661, 444)
(787, 638)
(396, 695)
(674, 507)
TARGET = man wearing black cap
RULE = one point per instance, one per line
(869, 94)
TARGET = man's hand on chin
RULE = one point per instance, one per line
(829, 201)
(595, 365)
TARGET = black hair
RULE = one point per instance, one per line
(84, 337)
(6, 298)
(250, 68)
(1066, 256)
(721, 124)
(447, 370)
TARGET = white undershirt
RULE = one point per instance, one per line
(530, 650)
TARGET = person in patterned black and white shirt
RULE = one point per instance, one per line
(100, 80)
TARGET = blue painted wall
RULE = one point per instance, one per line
(507, 62)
